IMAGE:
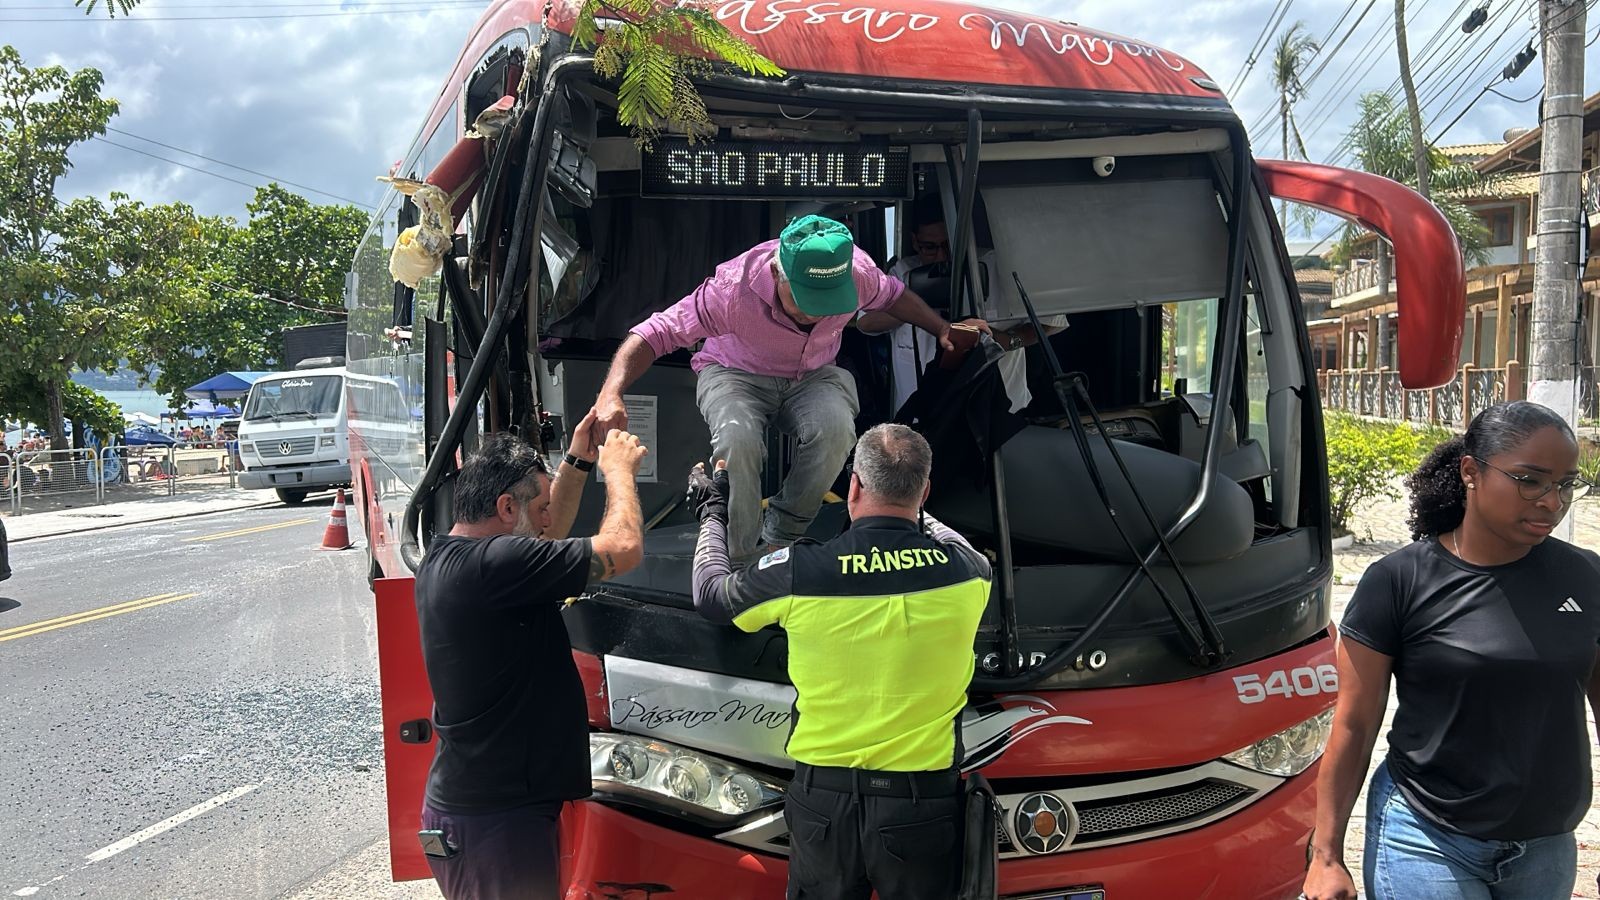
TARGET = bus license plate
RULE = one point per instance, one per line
(1077, 893)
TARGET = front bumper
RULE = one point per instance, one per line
(1255, 854)
(310, 477)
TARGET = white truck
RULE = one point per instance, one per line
(292, 436)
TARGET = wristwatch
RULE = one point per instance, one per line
(582, 465)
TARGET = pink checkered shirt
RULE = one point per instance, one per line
(737, 313)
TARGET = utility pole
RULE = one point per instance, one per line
(1554, 372)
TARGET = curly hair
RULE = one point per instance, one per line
(1438, 495)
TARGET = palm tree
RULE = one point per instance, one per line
(1382, 144)
(1418, 151)
(1295, 49)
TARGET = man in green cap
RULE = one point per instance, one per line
(771, 319)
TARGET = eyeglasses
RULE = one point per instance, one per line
(1533, 489)
(931, 246)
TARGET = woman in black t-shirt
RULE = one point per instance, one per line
(1489, 629)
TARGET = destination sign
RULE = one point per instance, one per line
(772, 170)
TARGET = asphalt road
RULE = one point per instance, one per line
(213, 736)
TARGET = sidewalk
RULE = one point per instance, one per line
(92, 516)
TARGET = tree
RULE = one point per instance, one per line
(1294, 50)
(1419, 149)
(77, 280)
(22, 397)
(285, 266)
(1382, 145)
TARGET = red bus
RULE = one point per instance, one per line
(1153, 690)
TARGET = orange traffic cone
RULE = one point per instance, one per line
(337, 534)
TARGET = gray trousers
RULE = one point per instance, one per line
(818, 411)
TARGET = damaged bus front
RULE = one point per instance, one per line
(1155, 668)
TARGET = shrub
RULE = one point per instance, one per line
(1365, 462)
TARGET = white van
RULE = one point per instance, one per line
(292, 434)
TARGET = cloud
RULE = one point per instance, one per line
(332, 101)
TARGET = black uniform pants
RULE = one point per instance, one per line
(853, 831)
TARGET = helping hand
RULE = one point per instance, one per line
(622, 455)
(582, 445)
(609, 413)
(709, 494)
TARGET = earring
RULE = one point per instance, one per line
(1470, 486)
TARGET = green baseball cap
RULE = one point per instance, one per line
(818, 255)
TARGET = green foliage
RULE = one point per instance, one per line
(1365, 462)
(1310, 262)
(1589, 462)
(1381, 140)
(285, 266)
(80, 281)
(654, 51)
(22, 397)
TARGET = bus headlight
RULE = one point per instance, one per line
(655, 773)
(1290, 751)
(327, 440)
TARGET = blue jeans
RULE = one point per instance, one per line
(1408, 857)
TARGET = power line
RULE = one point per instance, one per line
(240, 168)
(258, 295)
(175, 162)
(1259, 46)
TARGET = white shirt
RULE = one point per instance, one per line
(911, 349)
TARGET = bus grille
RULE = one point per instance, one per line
(1120, 815)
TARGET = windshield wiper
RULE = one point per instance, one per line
(1205, 643)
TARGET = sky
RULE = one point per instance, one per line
(328, 93)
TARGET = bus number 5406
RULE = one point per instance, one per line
(1304, 681)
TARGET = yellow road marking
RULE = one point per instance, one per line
(78, 615)
(103, 612)
(244, 531)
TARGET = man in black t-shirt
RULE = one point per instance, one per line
(508, 702)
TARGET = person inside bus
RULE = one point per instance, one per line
(508, 703)
(1488, 627)
(911, 352)
(880, 622)
(771, 319)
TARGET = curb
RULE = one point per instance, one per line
(110, 525)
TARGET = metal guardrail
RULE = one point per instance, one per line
(1379, 394)
(114, 473)
(1359, 278)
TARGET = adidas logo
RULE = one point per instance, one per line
(1570, 606)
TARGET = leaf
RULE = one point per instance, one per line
(654, 50)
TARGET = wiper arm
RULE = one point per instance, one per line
(1205, 643)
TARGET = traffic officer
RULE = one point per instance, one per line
(881, 622)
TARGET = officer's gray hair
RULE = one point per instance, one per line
(892, 462)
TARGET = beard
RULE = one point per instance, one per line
(526, 527)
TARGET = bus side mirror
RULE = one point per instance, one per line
(1431, 290)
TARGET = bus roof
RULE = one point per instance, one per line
(916, 40)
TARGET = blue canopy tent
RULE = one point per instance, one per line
(226, 386)
(202, 409)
